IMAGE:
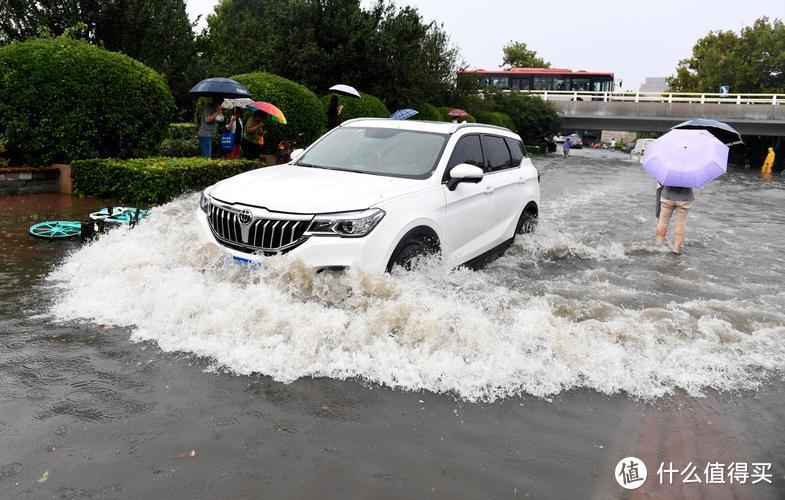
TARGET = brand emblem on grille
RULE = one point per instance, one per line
(245, 217)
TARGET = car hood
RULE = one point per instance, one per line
(293, 189)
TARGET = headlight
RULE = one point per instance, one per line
(348, 224)
(204, 200)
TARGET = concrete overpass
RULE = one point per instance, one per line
(750, 114)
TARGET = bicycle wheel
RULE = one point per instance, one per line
(55, 230)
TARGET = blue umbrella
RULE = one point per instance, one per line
(403, 114)
(722, 131)
(220, 87)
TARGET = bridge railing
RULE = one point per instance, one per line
(661, 97)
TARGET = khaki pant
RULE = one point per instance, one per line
(667, 208)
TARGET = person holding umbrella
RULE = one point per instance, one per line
(334, 112)
(208, 126)
(216, 89)
(253, 140)
(681, 160)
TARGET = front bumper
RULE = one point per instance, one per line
(321, 252)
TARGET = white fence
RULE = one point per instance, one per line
(661, 97)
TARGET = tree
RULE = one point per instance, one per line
(383, 50)
(752, 60)
(23, 19)
(518, 55)
(156, 32)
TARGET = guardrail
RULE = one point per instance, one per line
(662, 97)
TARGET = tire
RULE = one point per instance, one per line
(411, 248)
(527, 222)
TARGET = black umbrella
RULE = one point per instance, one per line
(220, 87)
(722, 131)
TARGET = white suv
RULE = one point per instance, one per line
(376, 193)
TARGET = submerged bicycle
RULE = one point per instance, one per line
(98, 224)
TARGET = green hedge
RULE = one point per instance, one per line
(496, 118)
(367, 106)
(151, 180)
(182, 142)
(62, 99)
(304, 112)
(427, 111)
(443, 110)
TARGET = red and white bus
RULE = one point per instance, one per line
(558, 79)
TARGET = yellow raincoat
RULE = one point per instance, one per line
(768, 162)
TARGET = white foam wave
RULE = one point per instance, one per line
(442, 330)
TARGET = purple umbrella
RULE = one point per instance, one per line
(686, 158)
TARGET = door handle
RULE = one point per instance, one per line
(488, 190)
(521, 180)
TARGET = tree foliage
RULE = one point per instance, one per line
(156, 32)
(62, 99)
(752, 60)
(518, 55)
(384, 50)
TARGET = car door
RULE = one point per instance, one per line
(469, 208)
(502, 175)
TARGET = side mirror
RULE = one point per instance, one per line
(464, 173)
(297, 153)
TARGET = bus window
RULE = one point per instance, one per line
(520, 83)
(542, 83)
(501, 82)
(561, 83)
(581, 84)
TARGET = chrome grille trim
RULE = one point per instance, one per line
(268, 232)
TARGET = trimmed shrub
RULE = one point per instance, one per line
(443, 110)
(62, 99)
(182, 142)
(426, 111)
(151, 180)
(181, 131)
(367, 106)
(496, 118)
(304, 112)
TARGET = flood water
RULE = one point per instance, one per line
(148, 365)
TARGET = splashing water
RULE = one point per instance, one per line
(564, 308)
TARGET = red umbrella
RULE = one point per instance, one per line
(270, 109)
(455, 113)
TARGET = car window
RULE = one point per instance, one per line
(378, 151)
(497, 155)
(468, 150)
(516, 150)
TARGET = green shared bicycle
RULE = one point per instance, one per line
(99, 222)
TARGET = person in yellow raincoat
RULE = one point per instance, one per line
(768, 162)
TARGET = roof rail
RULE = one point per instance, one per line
(457, 125)
(488, 125)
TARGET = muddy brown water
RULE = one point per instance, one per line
(586, 345)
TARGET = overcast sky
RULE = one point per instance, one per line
(631, 39)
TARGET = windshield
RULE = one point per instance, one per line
(378, 151)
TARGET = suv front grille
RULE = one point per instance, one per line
(266, 235)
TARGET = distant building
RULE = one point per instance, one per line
(654, 84)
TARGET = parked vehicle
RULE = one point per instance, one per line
(377, 193)
(640, 147)
(575, 141)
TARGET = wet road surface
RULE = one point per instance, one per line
(146, 365)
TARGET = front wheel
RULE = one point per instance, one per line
(55, 230)
(411, 249)
(527, 222)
